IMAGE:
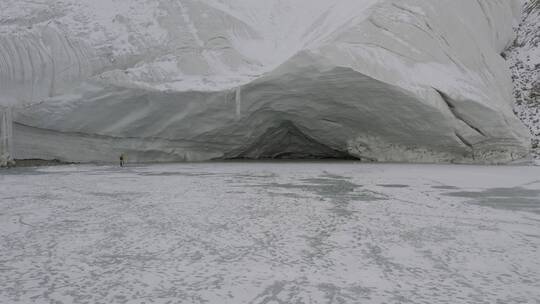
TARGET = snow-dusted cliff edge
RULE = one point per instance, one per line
(381, 80)
(524, 60)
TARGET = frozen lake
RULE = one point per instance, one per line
(270, 233)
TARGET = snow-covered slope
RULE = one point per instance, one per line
(172, 80)
(524, 59)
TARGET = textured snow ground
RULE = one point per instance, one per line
(270, 233)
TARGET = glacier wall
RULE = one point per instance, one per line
(378, 80)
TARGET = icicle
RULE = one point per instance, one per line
(238, 102)
(6, 137)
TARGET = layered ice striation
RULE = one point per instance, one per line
(377, 80)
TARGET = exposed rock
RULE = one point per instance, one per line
(524, 59)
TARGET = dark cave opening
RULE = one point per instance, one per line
(287, 142)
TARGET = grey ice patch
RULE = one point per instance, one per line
(444, 187)
(393, 186)
(331, 187)
(165, 174)
(25, 171)
(497, 192)
(335, 188)
(514, 204)
(515, 199)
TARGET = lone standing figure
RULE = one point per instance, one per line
(122, 159)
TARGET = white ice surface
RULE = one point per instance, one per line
(270, 233)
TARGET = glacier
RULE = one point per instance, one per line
(376, 80)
